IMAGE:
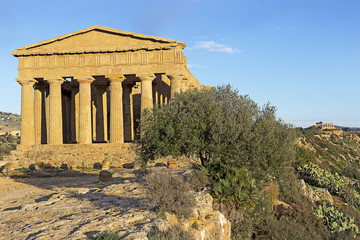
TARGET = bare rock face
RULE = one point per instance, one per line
(324, 195)
(105, 176)
(205, 223)
(9, 166)
(79, 208)
(316, 195)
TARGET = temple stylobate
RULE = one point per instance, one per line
(90, 86)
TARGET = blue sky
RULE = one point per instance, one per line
(303, 56)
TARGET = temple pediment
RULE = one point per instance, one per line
(97, 39)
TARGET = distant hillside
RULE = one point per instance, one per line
(9, 122)
(350, 128)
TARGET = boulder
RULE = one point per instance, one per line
(97, 166)
(105, 165)
(105, 176)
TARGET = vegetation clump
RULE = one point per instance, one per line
(336, 220)
(169, 193)
(250, 163)
(173, 233)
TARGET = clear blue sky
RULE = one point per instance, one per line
(302, 56)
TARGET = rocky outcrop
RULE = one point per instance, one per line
(316, 195)
(81, 208)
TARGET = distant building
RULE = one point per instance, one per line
(325, 126)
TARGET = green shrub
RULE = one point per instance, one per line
(219, 126)
(333, 182)
(199, 178)
(169, 193)
(303, 156)
(172, 233)
(236, 189)
(336, 221)
(108, 236)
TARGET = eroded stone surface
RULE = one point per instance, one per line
(81, 207)
(70, 208)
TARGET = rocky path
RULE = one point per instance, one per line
(71, 207)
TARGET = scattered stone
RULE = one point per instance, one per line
(105, 176)
(34, 167)
(64, 166)
(172, 164)
(9, 166)
(128, 165)
(106, 164)
(97, 166)
(72, 165)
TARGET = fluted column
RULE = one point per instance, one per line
(38, 112)
(27, 112)
(127, 112)
(55, 112)
(85, 110)
(175, 83)
(116, 107)
(146, 90)
(101, 113)
(47, 113)
(74, 116)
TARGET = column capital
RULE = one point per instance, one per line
(55, 81)
(85, 80)
(115, 78)
(24, 82)
(146, 76)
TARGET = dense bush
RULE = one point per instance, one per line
(303, 156)
(242, 147)
(336, 221)
(333, 182)
(220, 127)
(169, 193)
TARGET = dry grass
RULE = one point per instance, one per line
(169, 193)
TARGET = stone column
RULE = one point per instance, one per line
(74, 112)
(127, 112)
(55, 112)
(101, 114)
(175, 83)
(85, 110)
(47, 113)
(116, 110)
(38, 112)
(146, 90)
(27, 112)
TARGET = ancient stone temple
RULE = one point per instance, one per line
(89, 87)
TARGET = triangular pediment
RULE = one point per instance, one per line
(97, 39)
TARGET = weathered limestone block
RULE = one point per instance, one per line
(105, 164)
(316, 195)
(205, 224)
(105, 176)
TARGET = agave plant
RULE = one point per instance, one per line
(236, 188)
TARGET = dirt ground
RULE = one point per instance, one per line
(71, 207)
